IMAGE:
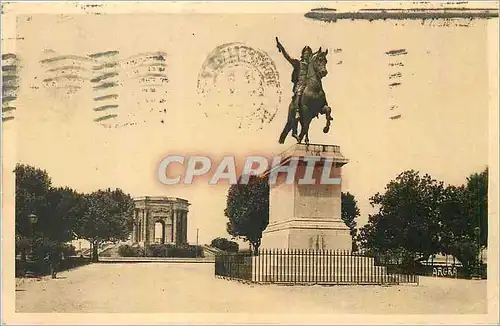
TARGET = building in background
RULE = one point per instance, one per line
(160, 220)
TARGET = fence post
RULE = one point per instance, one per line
(289, 265)
(282, 267)
(267, 264)
(261, 264)
(317, 266)
(275, 262)
(238, 263)
(308, 265)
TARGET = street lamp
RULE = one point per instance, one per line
(477, 232)
(196, 251)
(33, 218)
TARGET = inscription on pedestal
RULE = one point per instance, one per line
(317, 243)
(316, 190)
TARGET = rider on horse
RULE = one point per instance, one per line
(299, 79)
(302, 80)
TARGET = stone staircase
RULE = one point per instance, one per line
(107, 250)
(211, 251)
(110, 251)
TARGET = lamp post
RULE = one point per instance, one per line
(33, 220)
(197, 230)
(477, 233)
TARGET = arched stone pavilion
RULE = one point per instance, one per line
(160, 220)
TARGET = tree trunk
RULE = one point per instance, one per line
(255, 247)
(95, 251)
(23, 255)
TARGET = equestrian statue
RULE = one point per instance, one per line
(309, 98)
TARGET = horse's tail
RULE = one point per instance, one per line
(285, 132)
(288, 125)
(282, 137)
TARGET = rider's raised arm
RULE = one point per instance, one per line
(281, 48)
(287, 57)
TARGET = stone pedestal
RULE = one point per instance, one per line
(307, 216)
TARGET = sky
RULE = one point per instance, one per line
(442, 99)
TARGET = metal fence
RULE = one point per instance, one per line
(308, 267)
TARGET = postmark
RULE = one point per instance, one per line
(242, 82)
(146, 88)
(10, 85)
(64, 74)
(64, 78)
(124, 91)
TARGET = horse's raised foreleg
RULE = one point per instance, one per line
(327, 111)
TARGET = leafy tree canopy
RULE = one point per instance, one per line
(248, 210)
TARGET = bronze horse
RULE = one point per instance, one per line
(313, 101)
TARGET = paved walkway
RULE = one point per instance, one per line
(184, 288)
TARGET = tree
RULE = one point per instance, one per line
(225, 244)
(248, 210)
(420, 216)
(108, 217)
(349, 212)
(477, 189)
(408, 217)
(464, 220)
(32, 187)
(457, 227)
(65, 207)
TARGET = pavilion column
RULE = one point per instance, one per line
(139, 228)
(186, 224)
(148, 234)
(179, 228)
(133, 227)
(184, 227)
(134, 230)
(181, 222)
(144, 226)
(174, 226)
(163, 233)
(181, 235)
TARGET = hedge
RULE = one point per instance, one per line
(130, 251)
(161, 250)
(41, 268)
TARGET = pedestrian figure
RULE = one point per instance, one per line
(54, 258)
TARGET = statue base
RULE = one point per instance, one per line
(311, 234)
(307, 216)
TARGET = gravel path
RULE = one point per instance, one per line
(184, 288)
